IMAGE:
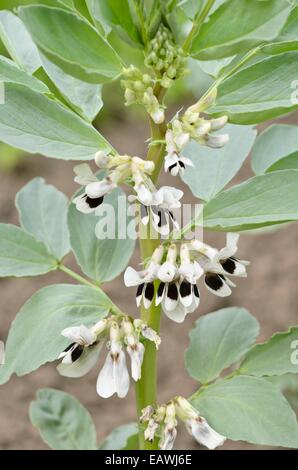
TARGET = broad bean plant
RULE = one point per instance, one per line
(60, 57)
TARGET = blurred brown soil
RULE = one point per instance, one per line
(270, 293)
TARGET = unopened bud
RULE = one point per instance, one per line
(101, 159)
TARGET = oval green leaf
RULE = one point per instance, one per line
(38, 124)
(72, 43)
(63, 422)
(102, 256)
(43, 213)
(22, 255)
(218, 340)
(43, 317)
(249, 409)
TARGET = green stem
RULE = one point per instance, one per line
(198, 21)
(146, 387)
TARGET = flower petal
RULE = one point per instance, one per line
(83, 365)
(204, 434)
(84, 174)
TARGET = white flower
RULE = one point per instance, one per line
(151, 429)
(147, 332)
(135, 349)
(99, 189)
(197, 426)
(89, 200)
(176, 164)
(175, 141)
(218, 264)
(114, 377)
(203, 433)
(178, 292)
(81, 355)
(169, 431)
(144, 279)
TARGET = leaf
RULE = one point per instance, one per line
(18, 42)
(277, 356)
(214, 168)
(251, 22)
(104, 258)
(37, 124)
(218, 340)
(123, 437)
(287, 163)
(276, 142)
(63, 422)
(116, 13)
(71, 43)
(10, 73)
(260, 91)
(35, 334)
(21, 255)
(249, 409)
(67, 3)
(43, 213)
(287, 39)
(190, 7)
(85, 98)
(263, 200)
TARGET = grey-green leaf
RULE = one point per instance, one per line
(72, 43)
(11, 73)
(263, 200)
(101, 257)
(21, 255)
(277, 356)
(42, 318)
(260, 91)
(218, 340)
(43, 213)
(18, 42)
(276, 142)
(249, 409)
(287, 163)
(63, 422)
(213, 169)
(83, 97)
(250, 22)
(287, 39)
(123, 437)
(35, 123)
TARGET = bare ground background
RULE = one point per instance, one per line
(270, 293)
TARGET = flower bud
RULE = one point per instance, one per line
(101, 159)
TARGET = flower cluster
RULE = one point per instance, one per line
(162, 423)
(138, 88)
(192, 126)
(165, 58)
(155, 204)
(121, 333)
(178, 274)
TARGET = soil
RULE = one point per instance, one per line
(270, 293)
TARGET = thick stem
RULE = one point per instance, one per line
(146, 387)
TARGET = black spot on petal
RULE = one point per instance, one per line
(93, 203)
(140, 290)
(214, 281)
(181, 164)
(171, 167)
(172, 292)
(149, 291)
(185, 289)
(229, 265)
(160, 289)
(196, 291)
(77, 352)
(69, 347)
